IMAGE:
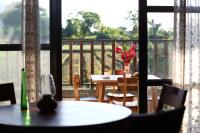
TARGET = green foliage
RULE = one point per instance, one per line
(133, 17)
(102, 36)
(71, 28)
(88, 24)
(12, 20)
(90, 20)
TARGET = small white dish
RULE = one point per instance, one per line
(106, 77)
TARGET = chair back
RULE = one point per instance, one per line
(127, 84)
(158, 122)
(7, 93)
(171, 97)
(76, 85)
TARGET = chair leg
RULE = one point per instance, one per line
(113, 90)
(135, 109)
(150, 106)
(154, 97)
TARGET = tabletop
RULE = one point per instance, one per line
(69, 115)
(99, 78)
(108, 78)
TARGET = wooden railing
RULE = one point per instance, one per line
(86, 57)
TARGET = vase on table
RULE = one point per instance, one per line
(46, 94)
(24, 96)
(126, 68)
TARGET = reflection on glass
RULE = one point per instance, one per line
(26, 117)
(10, 21)
(44, 21)
(47, 85)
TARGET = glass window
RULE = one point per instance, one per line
(10, 21)
(45, 62)
(160, 2)
(160, 40)
(11, 65)
(91, 20)
(44, 21)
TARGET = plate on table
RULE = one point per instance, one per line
(106, 76)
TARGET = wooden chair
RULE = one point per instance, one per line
(153, 99)
(76, 85)
(124, 98)
(117, 72)
(171, 97)
(158, 122)
(7, 93)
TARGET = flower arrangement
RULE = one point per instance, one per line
(127, 52)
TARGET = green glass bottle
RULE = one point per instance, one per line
(24, 97)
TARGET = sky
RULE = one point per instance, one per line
(112, 12)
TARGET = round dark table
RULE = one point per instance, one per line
(69, 116)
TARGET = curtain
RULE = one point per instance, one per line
(186, 59)
(31, 47)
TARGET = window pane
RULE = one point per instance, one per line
(45, 62)
(160, 2)
(44, 21)
(91, 20)
(11, 65)
(10, 21)
(160, 40)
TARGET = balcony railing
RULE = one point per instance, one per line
(87, 57)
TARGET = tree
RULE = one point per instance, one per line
(12, 20)
(134, 18)
(89, 20)
(153, 30)
(44, 25)
(81, 25)
(70, 29)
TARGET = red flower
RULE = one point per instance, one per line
(127, 54)
(118, 50)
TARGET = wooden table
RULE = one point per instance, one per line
(102, 82)
(69, 116)
(111, 81)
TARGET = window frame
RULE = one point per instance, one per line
(56, 48)
(143, 55)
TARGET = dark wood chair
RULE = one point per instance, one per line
(171, 97)
(158, 122)
(76, 85)
(7, 93)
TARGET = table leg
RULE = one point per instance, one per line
(101, 91)
(97, 90)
